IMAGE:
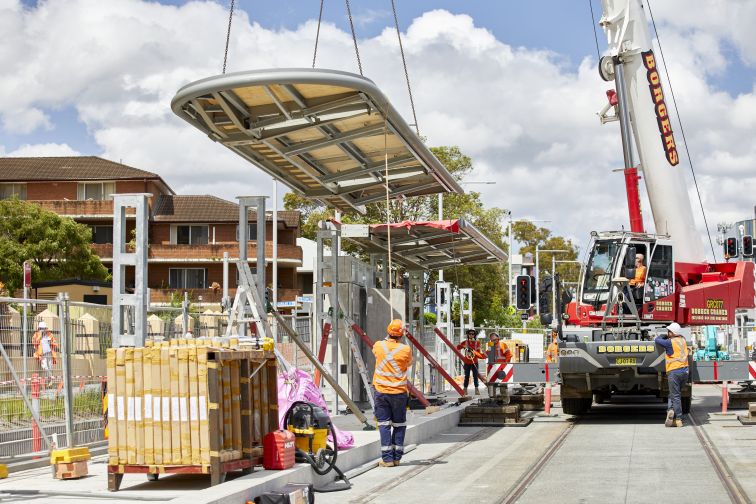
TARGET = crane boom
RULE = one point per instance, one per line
(626, 28)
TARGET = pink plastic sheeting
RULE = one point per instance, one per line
(296, 385)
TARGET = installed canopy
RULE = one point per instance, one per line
(323, 133)
(427, 245)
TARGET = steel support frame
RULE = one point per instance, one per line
(124, 332)
(416, 316)
(328, 233)
(245, 204)
(445, 324)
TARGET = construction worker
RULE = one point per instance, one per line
(45, 348)
(676, 360)
(502, 353)
(640, 272)
(392, 360)
(470, 349)
(552, 353)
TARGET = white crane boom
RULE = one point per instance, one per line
(626, 28)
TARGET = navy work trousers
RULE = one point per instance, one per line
(676, 380)
(471, 369)
(391, 413)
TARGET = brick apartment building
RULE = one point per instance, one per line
(188, 234)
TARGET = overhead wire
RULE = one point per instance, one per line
(317, 34)
(595, 33)
(354, 36)
(228, 35)
(404, 64)
(682, 130)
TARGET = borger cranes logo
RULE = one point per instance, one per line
(662, 114)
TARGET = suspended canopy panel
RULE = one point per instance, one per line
(427, 245)
(321, 132)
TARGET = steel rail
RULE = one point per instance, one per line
(732, 486)
(527, 478)
(380, 490)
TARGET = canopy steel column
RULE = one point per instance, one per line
(258, 203)
(444, 323)
(416, 316)
(129, 320)
(331, 289)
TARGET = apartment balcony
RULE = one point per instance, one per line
(209, 296)
(86, 209)
(165, 253)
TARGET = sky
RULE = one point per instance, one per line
(514, 84)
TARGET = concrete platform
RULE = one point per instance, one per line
(195, 489)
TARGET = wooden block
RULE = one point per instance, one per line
(429, 410)
(228, 435)
(149, 447)
(130, 416)
(157, 424)
(235, 406)
(752, 409)
(165, 413)
(112, 412)
(257, 413)
(186, 435)
(194, 405)
(121, 405)
(139, 403)
(202, 404)
(175, 408)
(71, 471)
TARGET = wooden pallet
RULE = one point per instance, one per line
(217, 471)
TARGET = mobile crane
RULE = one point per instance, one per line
(606, 342)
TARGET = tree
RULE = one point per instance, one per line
(532, 236)
(57, 247)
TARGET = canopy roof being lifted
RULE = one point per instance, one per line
(427, 245)
(321, 132)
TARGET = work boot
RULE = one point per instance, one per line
(383, 463)
(477, 392)
(465, 393)
(670, 421)
(396, 463)
(678, 422)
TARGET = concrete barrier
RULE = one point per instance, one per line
(366, 449)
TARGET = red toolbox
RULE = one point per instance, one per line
(278, 450)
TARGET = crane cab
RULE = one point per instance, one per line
(629, 278)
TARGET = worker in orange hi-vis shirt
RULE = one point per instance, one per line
(640, 271)
(552, 353)
(392, 360)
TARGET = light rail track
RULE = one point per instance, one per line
(734, 490)
(523, 482)
(426, 464)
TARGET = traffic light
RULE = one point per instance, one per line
(731, 247)
(533, 290)
(748, 246)
(522, 293)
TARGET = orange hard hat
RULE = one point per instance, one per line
(395, 328)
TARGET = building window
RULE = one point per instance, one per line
(252, 234)
(96, 190)
(187, 278)
(8, 191)
(102, 234)
(192, 235)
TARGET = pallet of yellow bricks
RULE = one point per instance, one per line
(196, 406)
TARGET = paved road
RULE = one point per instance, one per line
(616, 453)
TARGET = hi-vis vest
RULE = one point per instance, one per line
(679, 357)
(392, 359)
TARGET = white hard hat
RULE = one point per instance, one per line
(674, 328)
(42, 325)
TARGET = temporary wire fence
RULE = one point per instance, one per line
(87, 333)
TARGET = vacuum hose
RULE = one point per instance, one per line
(325, 459)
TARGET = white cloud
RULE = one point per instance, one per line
(47, 149)
(527, 120)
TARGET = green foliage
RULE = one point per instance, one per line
(531, 236)
(57, 247)
(430, 318)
